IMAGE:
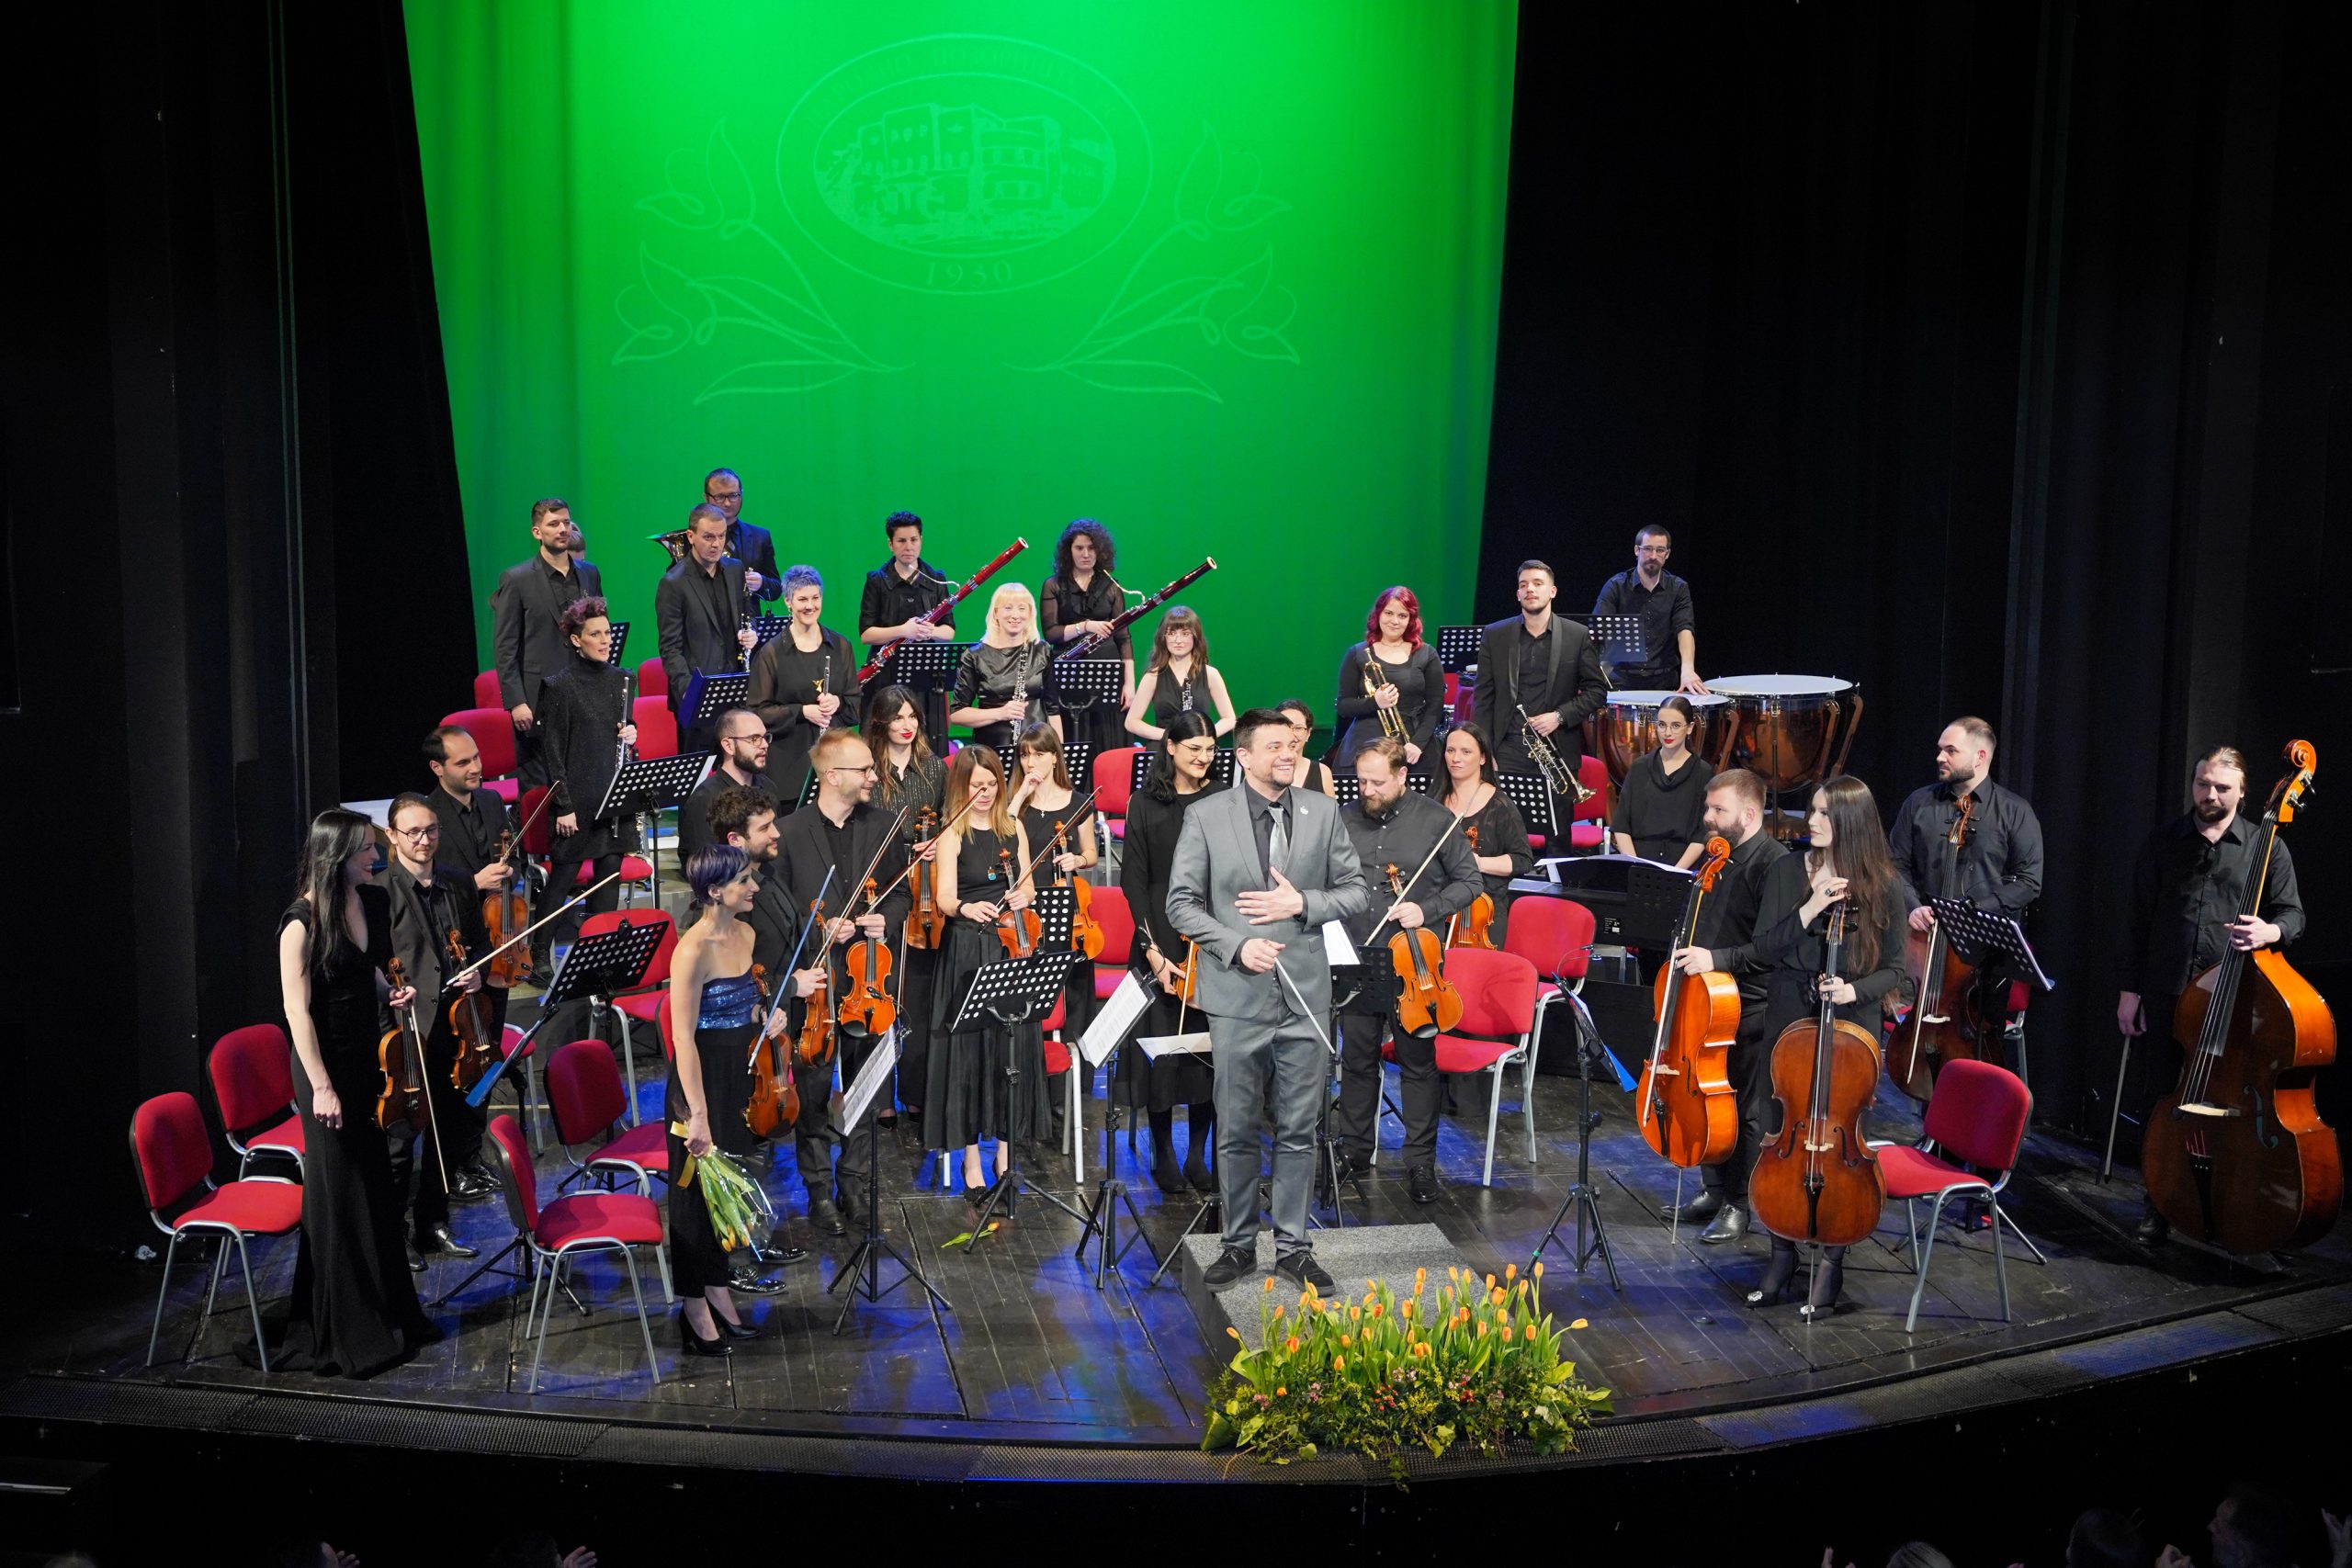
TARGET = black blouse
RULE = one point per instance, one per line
(1502, 832)
(1147, 855)
(783, 677)
(1170, 696)
(1420, 697)
(1794, 951)
(580, 705)
(1063, 603)
(985, 677)
(1663, 813)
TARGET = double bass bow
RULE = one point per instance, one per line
(2236, 1156)
(1817, 1180)
(1945, 1025)
(1689, 1112)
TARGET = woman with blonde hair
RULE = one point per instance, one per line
(1000, 684)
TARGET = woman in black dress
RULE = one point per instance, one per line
(1178, 678)
(1180, 776)
(1001, 682)
(803, 682)
(1042, 798)
(910, 777)
(584, 722)
(1080, 600)
(1302, 723)
(715, 1011)
(970, 1096)
(1468, 788)
(1848, 862)
(1664, 798)
(353, 1311)
(1405, 680)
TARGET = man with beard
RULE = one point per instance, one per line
(743, 755)
(527, 645)
(1662, 602)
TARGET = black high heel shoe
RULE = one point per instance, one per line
(1822, 1301)
(1779, 1276)
(695, 1344)
(1165, 1173)
(732, 1330)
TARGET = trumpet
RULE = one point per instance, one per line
(1392, 722)
(1550, 764)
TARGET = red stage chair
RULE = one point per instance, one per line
(495, 733)
(539, 842)
(486, 689)
(1114, 783)
(636, 1006)
(1588, 826)
(253, 1084)
(586, 1098)
(173, 1155)
(654, 681)
(657, 727)
(1978, 1118)
(1111, 912)
(1556, 935)
(571, 1227)
(1498, 999)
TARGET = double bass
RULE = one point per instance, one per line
(1427, 1003)
(1946, 1024)
(2236, 1156)
(1690, 1114)
(1817, 1181)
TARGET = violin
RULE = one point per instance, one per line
(475, 1048)
(1474, 926)
(867, 1009)
(1946, 1024)
(505, 912)
(1817, 1180)
(774, 1102)
(1085, 930)
(926, 926)
(815, 1046)
(1017, 929)
(2236, 1156)
(405, 1097)
(1427, 1003)
(1690, 1114)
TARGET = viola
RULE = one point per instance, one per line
(1474, 926)
(1947, 1024)
(475, 1050)
(926, 927)
(1017, 929)
(866, 1007)
(1085, 930)
(506, 912)
(1690, 1114)
(2236, 1156)
(400, 1054)
(815, 1046)
(775, 1101)
(1817, 1180)
(1427, 1003)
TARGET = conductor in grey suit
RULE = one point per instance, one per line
(1259, 870)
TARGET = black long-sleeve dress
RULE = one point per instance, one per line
(1065, 603)
(353, 1311)
(1153, 828)
(1420, 697)
(783, 676)
(986, 677)
(968, 1097)
(1663, 813)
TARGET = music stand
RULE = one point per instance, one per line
(1102, 1212)
(620, 640)
(1457, 648)
(864, 1089)
(1537, 805)
(1580, 1195)
(708, 691)
(1978, 935)
(1220, 766)
(1075, 684)
(1621, 639)
(1010, 992)
(767, 628)
(648, 783)
(1347, 789)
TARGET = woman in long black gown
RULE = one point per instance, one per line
(1043, 796)
(1180, 778)
(353, 1311)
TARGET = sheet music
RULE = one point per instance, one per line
(1337, 949)
(1113, 1020)
(869, 1080)
(1157, 1045)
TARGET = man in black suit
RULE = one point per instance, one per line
(1536, 661)
(698, 614)
(747, 542)
(742, 757)
(527, 646)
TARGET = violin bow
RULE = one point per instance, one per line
(784, 982)
(913, 861)
(1391, 912)
(526, 931)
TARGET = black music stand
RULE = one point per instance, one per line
(767, 628)
(620, 640)
(1110, 1192)
(1074, 684)
(1457, 648)
(1619, 640)
(645, 785)
(1220, 766)
(920, 666)
(1580, 1195)
(1347, 789)
(1012, 992)
(708, 691)
(1977, 935)
(1536, 804)
(863, 1272)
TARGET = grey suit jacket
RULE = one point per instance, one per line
(1217, 862)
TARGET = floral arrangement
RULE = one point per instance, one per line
(740, 1211)
(1480, 1366)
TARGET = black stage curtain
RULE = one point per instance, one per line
(1981, 354)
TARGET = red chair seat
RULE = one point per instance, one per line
(1910, 1173)
(1456, 1055)
(645, 1145)
(507, 790)
(632, 870)
(641, 1005)
(1585, 836)
(1056, 1057)
(622, 1217)
(271, 1208)
(1116, 827)
(287, 1136)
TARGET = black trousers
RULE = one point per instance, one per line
(812, 1146)
(1748, 1064)
(418, 1163)
(563, 869)
(1355, 1122)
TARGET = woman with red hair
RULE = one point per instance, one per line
(1391, 669)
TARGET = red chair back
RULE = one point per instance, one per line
(657, 727)
(1553, 934)
(1114, 779)
(661, 1025)
(493, 732)
(1594, 773)
(584, 1091)
(171, 1148)
(522, 1180)
(1498, 991)
(1118, 923)
(1053, 1024)
(538, 833)
(486, 689)
(656, 972)
(253, 1076)
(1979, 1114)
(653, 680)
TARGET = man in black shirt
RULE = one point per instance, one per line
(527, 645)
(1729, 921)
(1392, 826)
(2190, 889)
(472, 820)
(742, 743)
(747, 542)
(699, 615)
(842, 832)
(1662, 600)
(899, 594)
(1541, 663)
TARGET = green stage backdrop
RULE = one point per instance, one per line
(1222, 275)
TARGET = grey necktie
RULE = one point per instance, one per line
(1278, 847)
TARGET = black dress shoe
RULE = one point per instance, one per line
(1196, 1171)
(1166, 1174)
(1232, 1264)
(1300, 1268)
(1729, 1224)
(1422, 1183)
(775, 1251)
(752, 1283)
(826, 1215)
(470, 1186)
(733, 1330)
(1697, 1211)
(695, 1344)
(2152, 1229)
(416, 1258)
(440, 1238)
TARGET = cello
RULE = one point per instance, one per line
(1690, 1114)
(2236, 1156)
(1474, 926)
(1817, 1181)
(1427, 1003)
(1946, 1024)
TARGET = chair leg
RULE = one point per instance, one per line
(1527, 1098)
(1494, 1111)
(1911, 1229)
(531, 1082)
(1074, 1119)
(628, 1067)
(662, 1257)
(1927, 1256)
(644, 1324)
(548, 1274)
(253, 1298)
(162, 1289)
(2000, 1261)
(212, 1292)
